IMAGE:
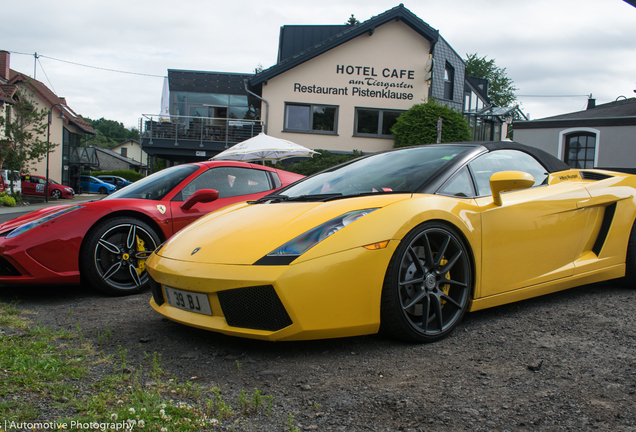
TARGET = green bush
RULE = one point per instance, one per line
(7, 200)
(418, 125)
(321, 161)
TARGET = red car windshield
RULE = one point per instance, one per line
(157, 185)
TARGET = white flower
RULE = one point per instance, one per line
(143, 410)
(162, 411)
(141, 423)
(131, 410)
(113, 416)
(163, 429)
(163, 405)
(120, 402)
(214, 421)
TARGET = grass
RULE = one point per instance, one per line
(44, 371)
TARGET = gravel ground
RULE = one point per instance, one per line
(565, 361)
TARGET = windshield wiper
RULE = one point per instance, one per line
(270, 198)
(315, 197)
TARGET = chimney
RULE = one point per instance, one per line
(5, 60)
(591, 103)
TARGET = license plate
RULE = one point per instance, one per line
(186, 300)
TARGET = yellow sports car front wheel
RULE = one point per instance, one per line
(427, 285)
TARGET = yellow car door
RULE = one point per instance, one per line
(534, 234)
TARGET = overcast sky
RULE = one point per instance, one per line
(548, 47)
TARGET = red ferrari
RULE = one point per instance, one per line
(107, 242)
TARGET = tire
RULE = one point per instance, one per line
(56, 194)
(102, 190)
(629, 281)
(114, 254)
(424, 299)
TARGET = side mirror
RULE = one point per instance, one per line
(505, 181)
(202, 195)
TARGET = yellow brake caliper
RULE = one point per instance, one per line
(141, 264)
(446, 287)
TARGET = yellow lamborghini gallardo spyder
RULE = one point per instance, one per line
(405, 240)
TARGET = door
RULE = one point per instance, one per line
(234, 184)
(534, 236)
(28, 185)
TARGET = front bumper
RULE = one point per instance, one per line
(333, 296)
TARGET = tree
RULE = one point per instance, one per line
(500, 88)
(24, 141)
(110, 132)
(418, 125)
(352, 21)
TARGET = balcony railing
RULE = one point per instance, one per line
(189, 130)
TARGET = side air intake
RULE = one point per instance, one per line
(608, 217)
(589, 175)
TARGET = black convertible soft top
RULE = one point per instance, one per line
(551, 163)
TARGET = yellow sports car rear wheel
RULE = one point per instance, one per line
(428, 284)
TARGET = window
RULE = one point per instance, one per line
(229, 182)
(460, 185)
(375, 122)
(311, 118)
(124, 152)
(449, 79)
(580, 149)
(485, 166)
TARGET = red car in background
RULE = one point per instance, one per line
(36, 185)
(107, 241)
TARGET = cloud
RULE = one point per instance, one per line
(548, 48)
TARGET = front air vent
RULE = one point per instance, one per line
(608, 217)
(157, 293)
(257, 308)
(591, 175)
(7, 269)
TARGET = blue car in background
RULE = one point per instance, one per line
(94, 185)
(119, 182)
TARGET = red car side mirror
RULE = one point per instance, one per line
(202, 195)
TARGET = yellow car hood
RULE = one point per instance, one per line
(244, 233)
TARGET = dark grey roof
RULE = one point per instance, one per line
(297, 38)
(618, 113)
(118, 156)
(207, 82)
(398, 13)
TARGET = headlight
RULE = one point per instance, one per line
(306, 241)
(30, 225)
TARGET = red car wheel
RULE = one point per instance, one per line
(114, 255)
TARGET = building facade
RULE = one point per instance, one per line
(67, 130)
(334, 87)
(603, 136)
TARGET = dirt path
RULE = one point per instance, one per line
(581, 344)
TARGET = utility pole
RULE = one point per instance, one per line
(35, 64)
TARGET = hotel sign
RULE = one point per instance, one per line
(367, 81)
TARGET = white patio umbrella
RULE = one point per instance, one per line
(264, 147)
(165, 101)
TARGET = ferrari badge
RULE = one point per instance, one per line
(161, 208)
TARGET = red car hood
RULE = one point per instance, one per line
(21, 220)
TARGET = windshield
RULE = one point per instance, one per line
(157, 185)
(397, 171)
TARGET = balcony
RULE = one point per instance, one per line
(193, 138)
